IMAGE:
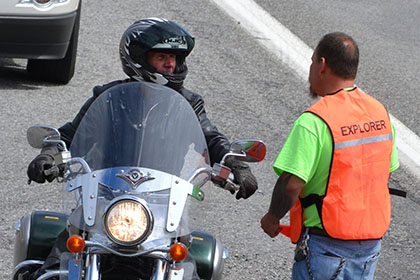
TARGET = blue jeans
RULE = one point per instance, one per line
(358, 259)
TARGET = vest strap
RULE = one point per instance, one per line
(397, 192)
(310, 199)
(316, 199)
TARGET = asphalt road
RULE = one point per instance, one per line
(248, 94)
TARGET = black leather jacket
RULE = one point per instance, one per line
(217, 143)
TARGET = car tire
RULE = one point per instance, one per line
(58, 70)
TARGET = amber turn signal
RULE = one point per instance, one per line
(75, 244)
(178, 252)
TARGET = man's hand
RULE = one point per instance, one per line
(243, 177)
(270, 225)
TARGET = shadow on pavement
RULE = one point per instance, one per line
(13, 75)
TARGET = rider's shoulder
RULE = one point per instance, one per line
(192, 97)
(97, 90)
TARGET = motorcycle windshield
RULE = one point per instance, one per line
(144, 125)
(142, 142)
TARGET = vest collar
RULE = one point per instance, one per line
(346, 89)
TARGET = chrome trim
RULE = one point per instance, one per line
(22, 239)
(17, 225)
(44, 276)
(89, 184)
(82, 162)
(135, 177)
(218, 261)
(151, 252)
(53, 273)
(160, 270)
(92, 271)
(176, 274)
(55, 141)
(43, 5)
(225, 254)
(197, 173)
(222, 162)
(180, 190)
(23, 264)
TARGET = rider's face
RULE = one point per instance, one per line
(163, 62)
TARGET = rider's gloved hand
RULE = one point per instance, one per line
(243, 177)
(37, 167)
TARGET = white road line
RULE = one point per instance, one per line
(297, 55)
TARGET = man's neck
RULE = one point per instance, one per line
(336, 85)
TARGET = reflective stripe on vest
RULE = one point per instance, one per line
(357, 204)
(363, 141)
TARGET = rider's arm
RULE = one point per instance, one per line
(68, 130)
(217, 143)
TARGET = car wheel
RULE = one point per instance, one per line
(59, 70)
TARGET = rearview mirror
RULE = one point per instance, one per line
(39, 135)
(252, 150)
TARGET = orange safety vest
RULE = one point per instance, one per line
(356, 204)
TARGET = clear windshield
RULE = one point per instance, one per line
(138, 139)
(144, 125)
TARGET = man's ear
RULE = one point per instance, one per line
(323, 65)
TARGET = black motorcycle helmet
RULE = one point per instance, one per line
(156, 34)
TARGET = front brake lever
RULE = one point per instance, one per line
(231, 186)
(53, 170)
(56, 171)
(226, 184)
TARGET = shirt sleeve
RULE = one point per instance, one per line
(394, 157)
(300, 153)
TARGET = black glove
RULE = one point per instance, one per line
(243, 177)
(37, 167)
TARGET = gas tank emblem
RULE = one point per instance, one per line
(135, 177)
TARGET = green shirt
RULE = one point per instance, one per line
(307, 155)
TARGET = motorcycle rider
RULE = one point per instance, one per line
(152, 50)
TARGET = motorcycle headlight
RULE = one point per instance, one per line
(128, 222)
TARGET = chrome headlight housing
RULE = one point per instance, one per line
(128, 221)
(42, 3)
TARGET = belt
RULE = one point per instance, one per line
(318, 231)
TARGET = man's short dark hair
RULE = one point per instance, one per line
(341, 54)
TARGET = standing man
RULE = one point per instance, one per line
(334, 170)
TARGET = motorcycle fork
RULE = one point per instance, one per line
(92, 267)
(165, 271)
(160, 270)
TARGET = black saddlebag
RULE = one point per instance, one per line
(36, 233)
(208, 254)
